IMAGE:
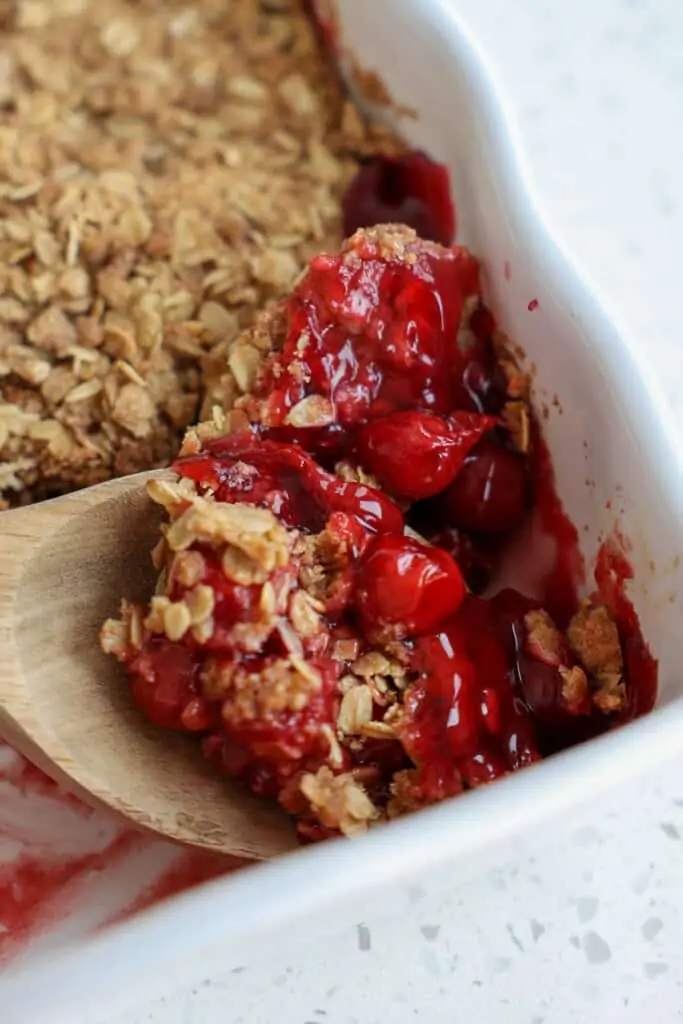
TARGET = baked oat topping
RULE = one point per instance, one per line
(279, 685)
(167, 169)
(543, 638)
(517, 420)
(594, 639)
(407, 793)
(339, 801)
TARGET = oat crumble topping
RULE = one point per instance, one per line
(167, 169)
(593, 637)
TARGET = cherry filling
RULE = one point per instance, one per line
(371, 332)
(404, 588)
(409, 189)
(466, 723)
(286, 479)
(348, 669)
(417, 454)
(491, 493)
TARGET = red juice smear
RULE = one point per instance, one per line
(193, 868)
(30, 888)
(60, 858)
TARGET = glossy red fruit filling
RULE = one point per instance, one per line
(372, 332)
(491, 493)
(465, 724)
(480, 382)
(166, 686)
(407, 391)
(477, 557)
(409, 189)
(404, 588)
(246, 468)
(417, 454)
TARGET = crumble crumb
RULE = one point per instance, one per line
(407, 793)
(338, 801)
(594, 640)
(544, 640)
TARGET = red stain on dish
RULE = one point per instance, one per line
(560, 585)
(62, 863)
(507, 270)
(191, 868)
(534, 304)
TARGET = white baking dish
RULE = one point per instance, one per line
(617, 458)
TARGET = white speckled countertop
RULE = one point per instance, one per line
(584, 924)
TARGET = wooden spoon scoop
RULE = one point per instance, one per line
(64, 564)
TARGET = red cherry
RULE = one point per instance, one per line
(462, 716)
(480, 383)
(450, 706)
(542, 689)
(164, 684)
(410, 189)
(417, 454)
(476, 560)
(283, 477)
(372, 332)
(405, 588)
(490, 494)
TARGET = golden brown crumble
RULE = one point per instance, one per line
(355, 710)
(338, 801)
(406, 793)
(284, 684)
(324, 557)
(544, 640)
(304, 614)
(346, 649)
(355, 475)
(517, 419)
(119, 636)
(165, 170)
(575, 688)
(594, 640)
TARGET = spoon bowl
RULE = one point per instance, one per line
(67, 706)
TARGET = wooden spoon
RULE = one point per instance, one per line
(64, 565)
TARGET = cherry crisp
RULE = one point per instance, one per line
(319, 620)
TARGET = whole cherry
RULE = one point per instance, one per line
(417, 454)
(409, 189)
(491, 493)
(405, 588)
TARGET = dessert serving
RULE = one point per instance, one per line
(318, 619)
(357, 461)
